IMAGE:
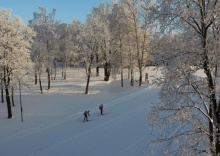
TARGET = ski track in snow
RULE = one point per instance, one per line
(63, 141)
(67, 118)
(133, 144)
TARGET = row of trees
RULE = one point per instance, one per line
(114, 36)
(182, 35)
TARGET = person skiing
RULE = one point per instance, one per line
(101, 109)
(86, 114)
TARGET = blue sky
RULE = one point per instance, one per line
(66, 10)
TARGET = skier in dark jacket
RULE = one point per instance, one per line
(86, 114)
(101, 109)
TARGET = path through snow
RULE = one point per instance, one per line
(123, 130)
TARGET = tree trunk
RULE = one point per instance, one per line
(140, 77)
(64, 76)
(211, 132)
(217, 144)
(62, 70)
(48, 78)
(41, 90)
(20, 101)
(2, 91)
(86, 67)
(55, 71)
(8, 101)
(132, 77)
(218, 122)
(121, 62)
(97, 62)
(122, 84)
(97, 71)
(88, 79)
(106, 71)
(12, 96)
(7, 93)
(213, 107)
(35, 78)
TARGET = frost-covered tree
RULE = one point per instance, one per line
(15, 42)
(131, 61)
(119, 29)
(190, 102)
(95, 17)
(65, 52)
(38, 59)
(103, 55)
(45, 41)
(75, 26)
(85, 46)
(89, 48)
(139, 26)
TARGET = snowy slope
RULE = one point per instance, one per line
(53, 121)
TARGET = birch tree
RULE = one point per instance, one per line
(139, 26)
(119, 28)
(65, 52)
(188, 101)
(90, 48)
(101, 14)
(85, 45)
(44, 25)
(15, 42)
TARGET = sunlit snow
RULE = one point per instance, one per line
(53, 122)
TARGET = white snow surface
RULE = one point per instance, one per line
(53, 122)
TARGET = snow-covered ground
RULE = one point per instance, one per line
(53, 121)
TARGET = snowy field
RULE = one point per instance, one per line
(53, 122)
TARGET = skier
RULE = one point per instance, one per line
(101, 109)
(86, 114)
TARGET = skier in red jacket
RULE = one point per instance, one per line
(86, 114)
(101, 109)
